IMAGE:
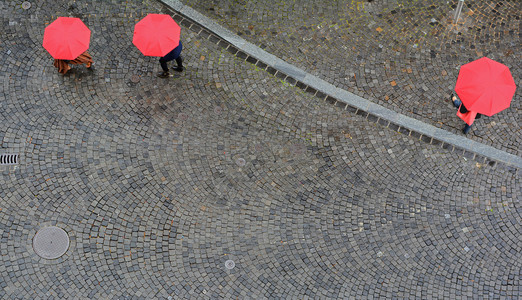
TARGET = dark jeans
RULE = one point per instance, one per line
(467, 128)
(163, 63)
(175, 54)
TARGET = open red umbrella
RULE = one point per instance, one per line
(66, 38)
(485, 86)
(156, 35)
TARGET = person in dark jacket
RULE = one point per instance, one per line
(462, 109)
(175, 54)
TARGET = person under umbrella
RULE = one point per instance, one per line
(159, 35)
(467, 116)
(484, 86)
(67, 40)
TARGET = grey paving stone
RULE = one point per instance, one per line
(328, 204)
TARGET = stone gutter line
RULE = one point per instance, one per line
(344, 99)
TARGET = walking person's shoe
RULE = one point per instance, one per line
(466, 129)
(456, 101)
(178, 69)
(163, 74)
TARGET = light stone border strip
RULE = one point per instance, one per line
(344, 99)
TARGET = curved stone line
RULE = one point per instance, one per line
(371, 111)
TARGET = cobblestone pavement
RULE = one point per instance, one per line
(160, 182)
(402, 54)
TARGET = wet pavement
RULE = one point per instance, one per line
(403, 55)
(160, 183)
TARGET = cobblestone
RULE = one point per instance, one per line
(403, 55)
(159, 183)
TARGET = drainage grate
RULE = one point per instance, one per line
(8, 159)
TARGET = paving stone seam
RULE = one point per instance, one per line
(343, 99)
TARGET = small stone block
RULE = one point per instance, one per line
(320, 95)
(195, 28)
(383, 122)
(415, 135)
(331, 100)
(280, 75)
(426, 138)
(393, 126)
(436, 142)
(186, 23)
(261, 64)
(241, 54)
(291, 80)
(372, 118)
(480, 159)
(233, 50)
(301, 85)
(214, 39)
(205, 34)
(468, 154)
(311, 90)
(404, 131)
(362, 113)
(223, 44)
(340, 104)
(251, 60)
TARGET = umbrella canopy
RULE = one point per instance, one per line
(485, 86)
(156, 35)
(66, 38)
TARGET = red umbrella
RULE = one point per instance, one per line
(66, 38)
(485, 86)
(156, 35)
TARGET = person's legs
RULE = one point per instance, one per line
(163, 63)
(179, 61)
(174, 54)
(466, 129)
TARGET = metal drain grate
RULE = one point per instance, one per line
(8, 159)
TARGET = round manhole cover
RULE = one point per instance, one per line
(26, 5)
(298, 148)
(241, 162)
(230, 264)
(51, 242)
(182, 116)
(135, 78)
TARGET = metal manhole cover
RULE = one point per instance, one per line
(298, 148)
(241, 162)
(51, 242)
(182, 116)
(230, 264)
(135, 78)
(8, 159)
(26, 5)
